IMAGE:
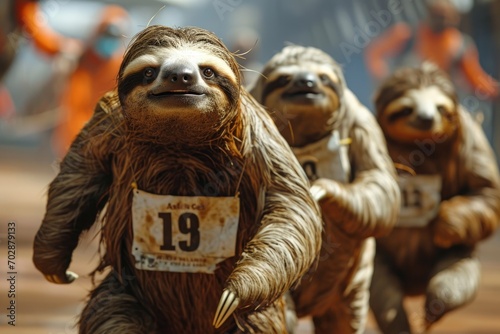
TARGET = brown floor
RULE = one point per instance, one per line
(45, 308)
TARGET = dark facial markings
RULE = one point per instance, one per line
(277, 83)
(147, 75)
(404, 112)
(140, 78)
(328, 82)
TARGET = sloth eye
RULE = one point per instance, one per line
(406, 111)
(283, 80)
(324, 78)
(442, 109)
(149, 73)
(208, 72)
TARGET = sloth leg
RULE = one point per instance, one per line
(386, 299)
(350, 314)
(111, 309)
(454, 283)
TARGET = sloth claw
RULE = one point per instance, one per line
(318, 193)
(227, 304)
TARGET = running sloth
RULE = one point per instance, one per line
(204, 198)
(341, 148)
(450, 199)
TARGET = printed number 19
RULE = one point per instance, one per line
(184, 227)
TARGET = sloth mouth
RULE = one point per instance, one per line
(178, 92)
(187, 91)
(303, 94)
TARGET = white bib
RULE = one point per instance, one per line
(183, 233)
(420, 199)
(326, 158)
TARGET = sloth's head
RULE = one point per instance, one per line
(417, 103)
(178, 84)
(302, 87)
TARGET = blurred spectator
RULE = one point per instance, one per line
(438, 40)
(94, 75)
(22, 17)
(88, 69)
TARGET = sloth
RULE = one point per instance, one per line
(343, 152)
(202, 198)
(450, 199)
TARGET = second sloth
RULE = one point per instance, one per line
(343, 152)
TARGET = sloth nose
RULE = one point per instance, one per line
(425, 120)
(179, 75)
(305, 80)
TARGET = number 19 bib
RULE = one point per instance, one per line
(183, 233)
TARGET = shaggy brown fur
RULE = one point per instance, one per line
(306, 94)
(224, 144)
(437, 259)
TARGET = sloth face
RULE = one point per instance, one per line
(417, 103)
(178, 83)
(306, 95)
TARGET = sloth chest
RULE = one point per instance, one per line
(185, 220)
(420, 199)
(327, 158)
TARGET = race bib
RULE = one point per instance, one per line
(326, 158)
(182, 233)
(420, 199)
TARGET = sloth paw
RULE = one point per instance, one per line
(318, 192)
(227, 304)
(68, 278)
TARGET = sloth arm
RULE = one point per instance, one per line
(469, 218)
(75, 197)
(289, 236)
(369, 205)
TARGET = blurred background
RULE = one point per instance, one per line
(58, 56)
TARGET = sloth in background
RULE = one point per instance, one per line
(343, 152)
(204, 198)
(450, 199)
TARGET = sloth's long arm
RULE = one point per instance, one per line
(75, 197)
(288, 240)
(369, 205)
(473, 216)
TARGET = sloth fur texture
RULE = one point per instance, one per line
(340, 146)
(180, 124)
(456, 186)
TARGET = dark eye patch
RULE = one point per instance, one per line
(228, 87)
(406, 111)
(140, 78)
(279, 82)
(328, 82)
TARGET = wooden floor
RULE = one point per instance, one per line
(45, 308)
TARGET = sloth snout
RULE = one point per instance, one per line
(305, 80)
(179, 75)
(425, 120)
